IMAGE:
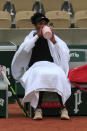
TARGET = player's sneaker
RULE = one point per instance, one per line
(38, 114)
(64, 114)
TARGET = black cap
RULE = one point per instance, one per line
(37, 17)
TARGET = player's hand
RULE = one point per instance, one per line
(53, 38)
(40, 31)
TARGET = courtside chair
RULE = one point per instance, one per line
(23, 19)
(81, 19)
(5, 19)
(59, 19)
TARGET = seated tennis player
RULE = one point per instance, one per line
(41, 65)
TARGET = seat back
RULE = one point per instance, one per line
(2, 2)
(5, 19)
(51, 5)
(81, 19)
(23, 5)
(59, 19)
(79, 5)
(23, 19)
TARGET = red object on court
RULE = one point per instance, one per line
(78, 75)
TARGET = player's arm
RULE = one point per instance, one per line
(61, 50)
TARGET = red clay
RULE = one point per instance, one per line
(17, 122)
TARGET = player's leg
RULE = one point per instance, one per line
(64, 111)
(38, 111)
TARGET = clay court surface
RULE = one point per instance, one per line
(17, 122)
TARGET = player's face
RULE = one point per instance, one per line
(40, 24)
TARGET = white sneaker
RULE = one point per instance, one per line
(38, 114)
(64, 114)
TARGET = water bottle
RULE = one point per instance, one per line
(2, 68)
(47, 33)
